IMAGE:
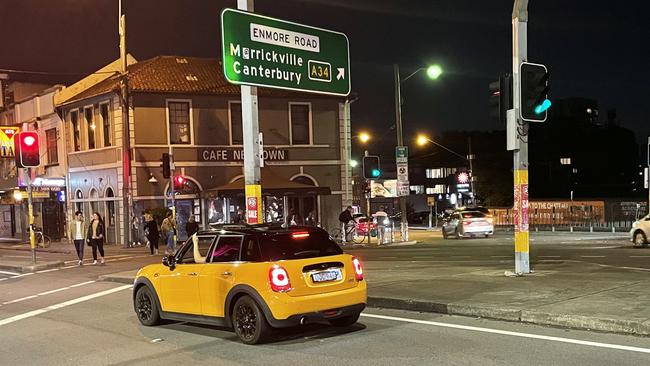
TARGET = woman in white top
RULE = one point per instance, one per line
(78, 235)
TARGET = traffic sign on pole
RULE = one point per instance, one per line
(268, 52)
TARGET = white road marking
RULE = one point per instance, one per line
(9, 273)
(46, 293)
(37, 312)
(48, 270)
(22, 275)
(509, 333)
(19, 300)
(640, 256)
(592, 256)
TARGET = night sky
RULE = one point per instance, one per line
(593, 49)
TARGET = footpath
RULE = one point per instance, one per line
(562, 293)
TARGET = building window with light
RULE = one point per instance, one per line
(76, 130)
(179, 122)
(236, 134)
(300, 123)
(104, 114)
(51, 146)
(90, 125)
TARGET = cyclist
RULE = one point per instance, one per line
(346, 220)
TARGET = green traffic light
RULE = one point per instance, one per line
(375, 173)
(546, 104)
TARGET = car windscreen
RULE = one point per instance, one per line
(472, 215)
(298, 245)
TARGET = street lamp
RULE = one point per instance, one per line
(364, 137)
(433, 72)
(354, 163)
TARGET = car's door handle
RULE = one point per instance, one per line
(192, 274)
(226, 274)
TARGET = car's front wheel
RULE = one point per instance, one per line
(249, 321)
(345, 321)
(640, 239)
(145, 307)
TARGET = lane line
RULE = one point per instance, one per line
(19, 300)
(510, 333)
(640, 256)
(46, 293)
(592, 256)
(64, 304)
(9, 273)
(48, 270)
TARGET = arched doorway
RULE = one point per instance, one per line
(94, 201)
(109, 216)
(303, 205)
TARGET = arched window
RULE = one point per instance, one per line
(303, 179)
(189, 187)
(110, 207)
(93, 200)
(79, 205)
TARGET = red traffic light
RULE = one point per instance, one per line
(27, 149)
(179, 181)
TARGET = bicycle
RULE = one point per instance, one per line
(41, 240)
(352, 232)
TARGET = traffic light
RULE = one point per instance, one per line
(501, 97)
(371, 168)
(534, 92)
(179, 181)
(26, 149)
(166, 166)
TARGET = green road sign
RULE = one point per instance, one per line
(268, 52)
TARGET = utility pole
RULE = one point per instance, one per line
(251, 132)
(126, 135)
(520, 166)
(470, 158)
(400, 143)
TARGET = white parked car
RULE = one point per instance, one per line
(468, 223)
(641, 232)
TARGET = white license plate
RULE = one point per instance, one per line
(329, 275)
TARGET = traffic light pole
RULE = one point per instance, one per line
(520, 167)
(30, 214)
(251, 132)
(126, 134)
(172, 183)
(400, 142)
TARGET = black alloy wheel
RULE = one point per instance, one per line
(249, 321)
(145, 307)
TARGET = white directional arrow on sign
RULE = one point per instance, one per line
(341, 74)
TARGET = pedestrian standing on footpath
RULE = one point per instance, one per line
(135, 231)
(151, 232)
(191, 227)
(381, 218)
(78, 235)
(96, 232)
(346, 220)
(169, 231)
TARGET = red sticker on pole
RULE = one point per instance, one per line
(251, 210)
(524, 207)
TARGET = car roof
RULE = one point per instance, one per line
(258, 229)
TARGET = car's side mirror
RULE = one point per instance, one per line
(169, 261)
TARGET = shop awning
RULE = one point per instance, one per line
(272, 185)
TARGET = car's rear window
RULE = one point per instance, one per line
(472, 215)
(298, 245)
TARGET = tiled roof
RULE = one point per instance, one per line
(176, 74)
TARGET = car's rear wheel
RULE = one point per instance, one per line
(146, 307)
(345, 321)
(457, 234)
(640, 239)
(249, 321)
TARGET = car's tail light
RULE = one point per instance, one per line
(300, 235)
(279, 279)
(358, 270)
(467, 222)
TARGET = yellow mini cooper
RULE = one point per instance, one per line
(253, 279)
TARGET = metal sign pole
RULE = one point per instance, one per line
(30, 214)
(520, 209)
(251, 132)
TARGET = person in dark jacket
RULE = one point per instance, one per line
(346, 219)
(151, 232)
(191, 226)
(96, 233)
